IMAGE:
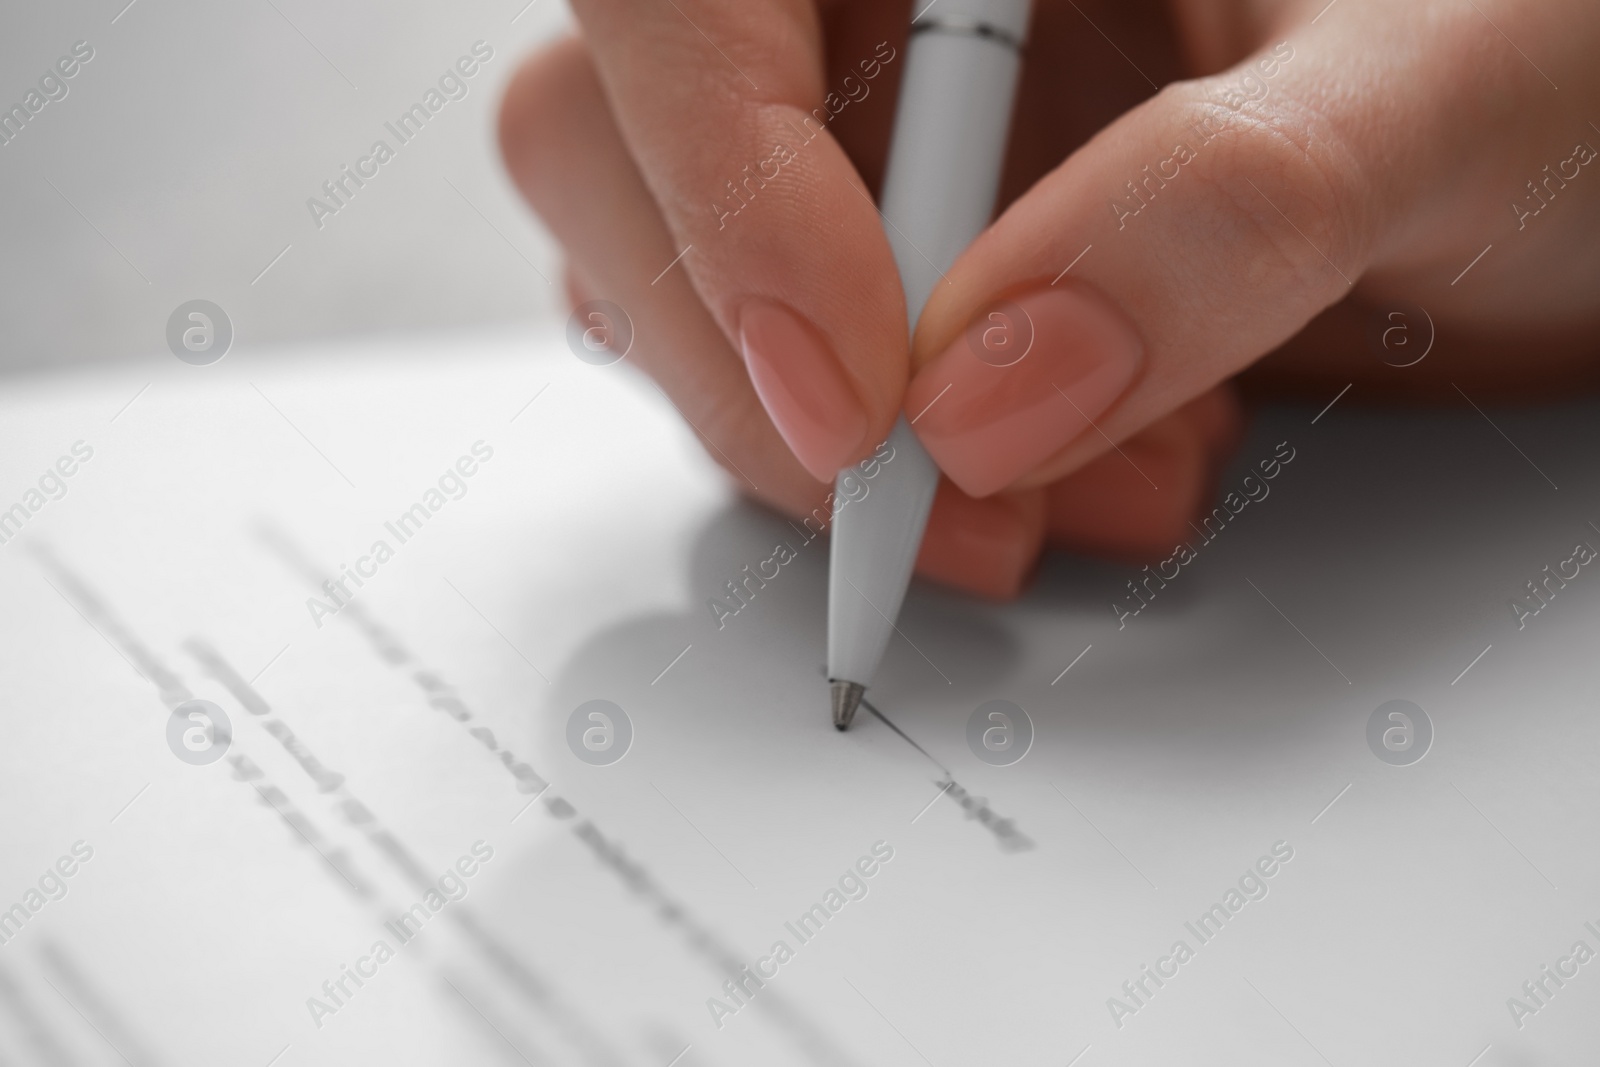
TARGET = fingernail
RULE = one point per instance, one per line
(803, 387)
(1027, 376)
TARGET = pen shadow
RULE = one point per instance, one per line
(936, 624)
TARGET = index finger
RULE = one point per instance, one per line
(724, 107)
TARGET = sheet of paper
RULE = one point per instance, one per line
(399, 828)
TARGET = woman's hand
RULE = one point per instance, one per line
(1306, 168)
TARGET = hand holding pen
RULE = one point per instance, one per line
(1305, 168)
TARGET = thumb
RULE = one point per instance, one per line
(1189, 238)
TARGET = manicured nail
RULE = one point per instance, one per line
(1027, 376)
(803, 387)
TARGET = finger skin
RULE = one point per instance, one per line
(989, 547)
(1136, 503)
(1206, 277)
(1328, 150)
(563, 151)
(724, 106)
(1108, 508)
(565, 154)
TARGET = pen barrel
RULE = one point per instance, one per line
(950, 132)
(945, 160)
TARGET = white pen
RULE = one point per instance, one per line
(949, 142)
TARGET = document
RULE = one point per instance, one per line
(439, 701)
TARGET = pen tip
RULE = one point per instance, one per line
(846, 699)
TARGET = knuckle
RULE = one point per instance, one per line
(1285, 168)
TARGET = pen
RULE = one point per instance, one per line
(962, 61)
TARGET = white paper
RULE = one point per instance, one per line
(1173, 749)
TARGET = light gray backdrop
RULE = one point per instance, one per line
(178, 165)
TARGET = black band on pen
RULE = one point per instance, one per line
(969, 28)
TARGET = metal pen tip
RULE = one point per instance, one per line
(846, 699)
